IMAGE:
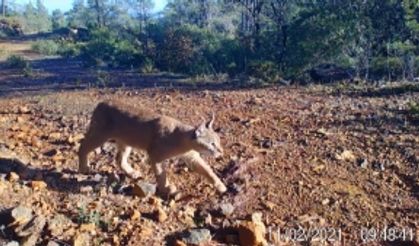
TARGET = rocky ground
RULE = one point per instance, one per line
(322, 165)
(335, 158)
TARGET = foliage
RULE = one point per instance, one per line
(57, 19)
(411, 8)
(69, 49)
(35, 18)
(46, 47)
(264, 39)
(86, 217)
(387, 65)
(265, 70)
(192, 50)
(16, 61)
(414, 108)
(105, 48)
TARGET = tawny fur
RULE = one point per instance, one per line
(162, 137)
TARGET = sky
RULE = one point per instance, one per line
(65, 5)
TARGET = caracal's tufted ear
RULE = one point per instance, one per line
(211, 122)
(199, 130)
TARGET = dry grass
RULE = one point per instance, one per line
(22, 48)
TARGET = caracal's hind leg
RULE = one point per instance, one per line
(199, 165)
(91, 141)
(122, 159)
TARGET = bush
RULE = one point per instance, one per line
(3, 34)
(414, 107)
(16, 61)
(69, 49)
(265, 70)
(147, 66)
(381, 66)
(46, 47)
(417, 66)
(192, 50)
(105, 48)
(178, 51)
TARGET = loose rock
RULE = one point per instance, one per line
(346, 155)
(363, 163)
(135, 215)
(82, 239)
(197, 236)
(179, 243)
(252, 233)
(31, 231)
(12, 243)
(21, 215)
(12, 177)
(227, 209)
(52, 243)
(160, 215)
(143, 189)
(58, 224)
(38, 185)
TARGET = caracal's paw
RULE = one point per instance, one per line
(221, 188)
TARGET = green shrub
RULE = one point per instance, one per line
(178, 53)
(417, 66)
(147, 66)
(2, 52)
(105, 48)
(265, 70)
(414, 108)
(16, 61)
(381, 66)
(69, 49)
(3, 34)
(192, 50)
(46, 47)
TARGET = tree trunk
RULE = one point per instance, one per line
(3, 7)
(99, 13)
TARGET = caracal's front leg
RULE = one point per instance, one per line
(122, 158)
(91, 141)
(199, 165)
(164, 189)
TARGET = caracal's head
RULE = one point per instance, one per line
(207, 140)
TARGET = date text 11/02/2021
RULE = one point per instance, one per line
(301, 234)
(330, 234)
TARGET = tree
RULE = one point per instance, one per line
(58, 19)
(3, 7)
(100, 8)
(411, 8)
(42, 16)
(144, 8)
(79, 15)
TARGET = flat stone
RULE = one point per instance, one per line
(143, 189)
(21, 215)
(197, 236)
(52, 243)
(58, 224)
(12, 243)
(226, 209)
(32, 231)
